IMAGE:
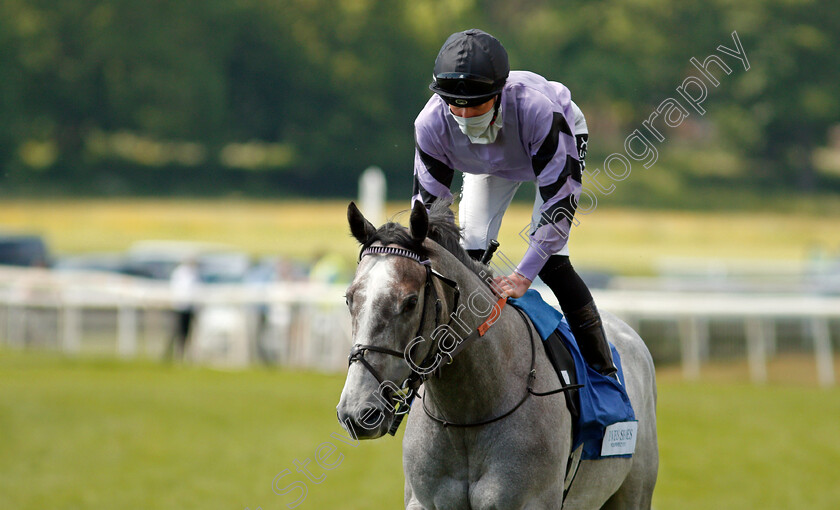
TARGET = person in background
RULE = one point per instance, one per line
(501, 128)
(183, 282)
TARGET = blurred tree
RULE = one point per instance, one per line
(10, 91)
(790, 94)
(329, 87)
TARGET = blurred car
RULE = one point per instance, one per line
(105, 262)
(28, 250)
(158, 259)
(273, 268)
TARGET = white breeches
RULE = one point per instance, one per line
(484, 200)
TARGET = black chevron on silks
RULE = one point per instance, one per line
(549, 146)
(427, 197)
(564, 208)
(442, 173)
(570, 169)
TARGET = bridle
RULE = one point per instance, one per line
(408, 390)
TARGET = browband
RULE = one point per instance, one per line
(393, 250)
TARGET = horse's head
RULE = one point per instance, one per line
(388, 305)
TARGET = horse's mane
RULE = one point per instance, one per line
(442, 230)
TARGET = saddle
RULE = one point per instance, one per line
(603, 421)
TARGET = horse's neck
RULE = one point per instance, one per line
(491, 372)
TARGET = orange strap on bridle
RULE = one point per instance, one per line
(497, 312)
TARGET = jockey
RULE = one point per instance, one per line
(501, 128)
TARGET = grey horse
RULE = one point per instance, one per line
(518, 461)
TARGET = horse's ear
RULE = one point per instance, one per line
(419, 221)
(360, 227)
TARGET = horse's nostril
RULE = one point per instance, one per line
(340, 415)
(371, 418)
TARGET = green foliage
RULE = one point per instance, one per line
(335, 85)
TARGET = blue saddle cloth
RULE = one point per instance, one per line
(603, 401)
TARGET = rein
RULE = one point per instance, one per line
(408, 390)
(529, 389)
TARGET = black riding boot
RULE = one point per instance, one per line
(580, 311)
(592, 340)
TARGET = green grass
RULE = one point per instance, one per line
(739, 446)
(627, 241)
(106, 434)
(89, 434)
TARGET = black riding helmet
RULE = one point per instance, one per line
(470, 69)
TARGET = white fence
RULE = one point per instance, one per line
(294, 324)
(307, 325)
(759, 314)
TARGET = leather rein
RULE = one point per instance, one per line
(409, 388)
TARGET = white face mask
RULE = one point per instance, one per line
(479, 129)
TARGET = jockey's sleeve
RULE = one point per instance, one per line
(580, 121)
(557, 168)
(581, 135)
(432, 176)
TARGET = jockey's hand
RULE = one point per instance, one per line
(513, 285)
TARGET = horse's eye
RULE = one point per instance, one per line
(409, 304)
(348, 299)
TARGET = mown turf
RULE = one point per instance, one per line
(737, 446)
(89, 434)
(107, 434)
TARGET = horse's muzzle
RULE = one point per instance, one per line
(365, 421)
